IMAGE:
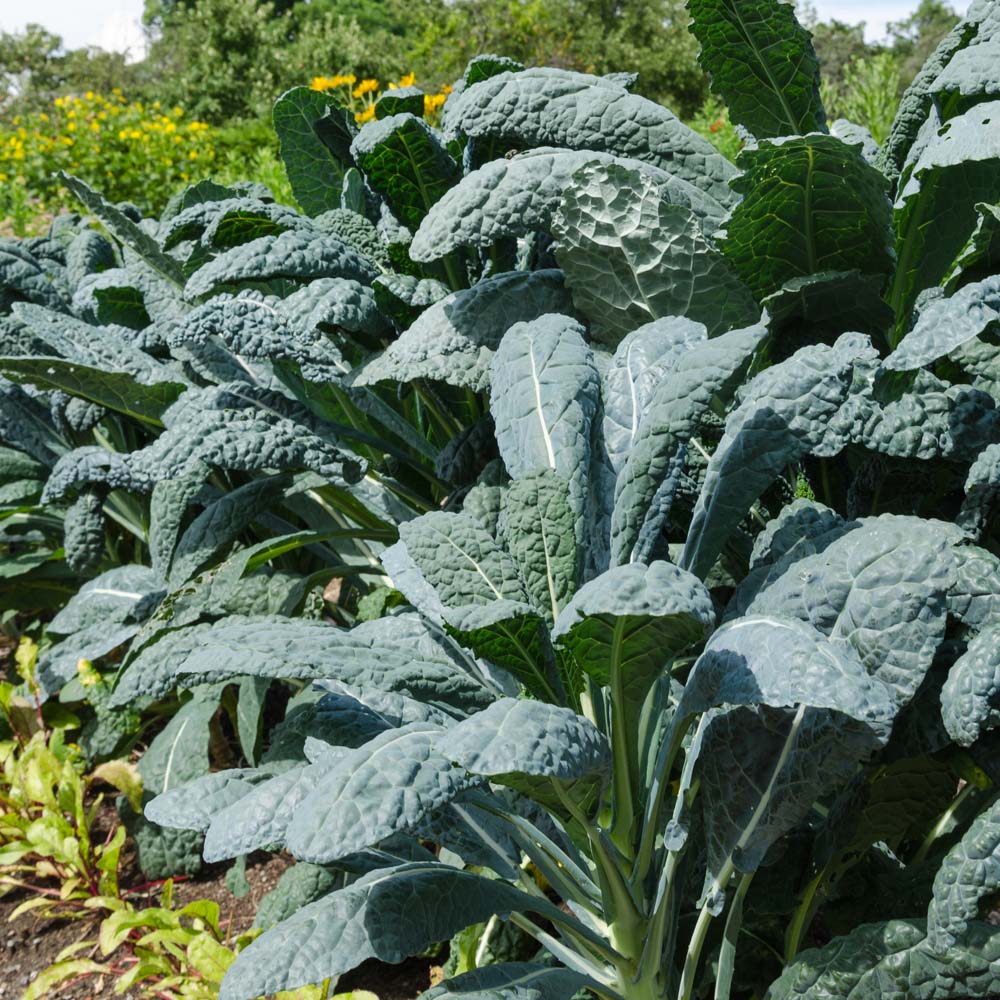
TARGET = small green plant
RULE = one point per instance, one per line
(50, 843)
(162, 952)
(870, 93)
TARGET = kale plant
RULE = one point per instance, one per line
(693, 466)
(712, 649)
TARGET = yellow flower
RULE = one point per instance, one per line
(365, 87)
(43, 117)
(408, 80)
(90, 95)
(365, 116)
(88, 676)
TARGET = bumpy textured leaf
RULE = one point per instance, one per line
(454, 340)
(626, 625)
(220, 522)
(980, 257)
(516, 196)
(256, 327)
(932, 420)
(122, 594)
(23, 278)
(893, 961)
(935, 212)
(401, 654)
(260, 819)
(973, 599)
(820, 307)
(510, 980)
(293, 255)
(971, 71)
(550, 107)
(970, 698)
(88, 253)
(641, 361)
(192, 806)
(384, 787)
(761, 771)
(947, 323)
(459, 560)
(129, 232)
(982, 490)
(969, 872)
(811, 203)
(83, 532)
(110, 297)
(229, 222)
(781, 663)
(784, 415)
(21, 477)
(26, 424)
(539, 530)
(403, 297)
(57, 666)
(645, 487)
(315, 140)
(179, 752)
(96, 346)
(629, 257)
(163, 853)
(209, 426)
(406, 163)
(762, 63)
(343, 929)
(903, 564)
(511, 635)
(168, 506)
(544, 399)
(515, 737)
(298, 886)
(329, 305)
(916, 101)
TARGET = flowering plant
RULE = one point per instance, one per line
(360, 97)
(126, 146)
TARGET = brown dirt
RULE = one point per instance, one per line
(30, 944)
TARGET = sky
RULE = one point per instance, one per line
(115, 24)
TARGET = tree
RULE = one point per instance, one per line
(597, 36)
(35, 68)
(914, 38)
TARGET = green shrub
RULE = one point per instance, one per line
(134, 151)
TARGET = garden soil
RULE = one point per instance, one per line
(30, 944)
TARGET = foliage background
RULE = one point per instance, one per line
(220, 63)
